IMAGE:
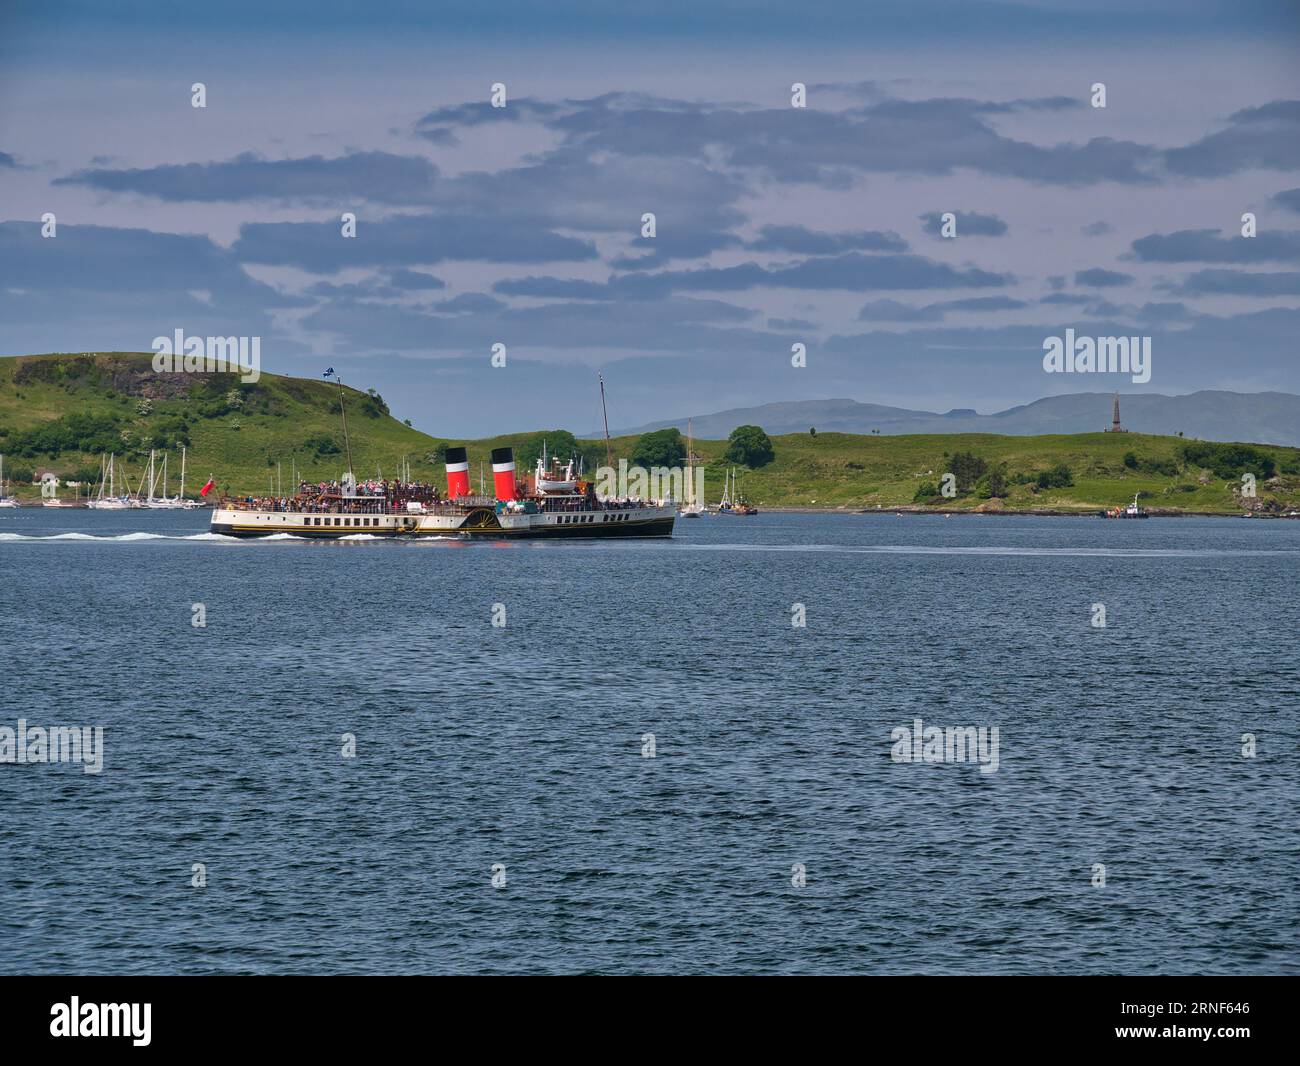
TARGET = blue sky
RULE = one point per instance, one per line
(775, 225)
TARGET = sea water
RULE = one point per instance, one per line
(647, 764)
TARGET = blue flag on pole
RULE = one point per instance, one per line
(329, 373)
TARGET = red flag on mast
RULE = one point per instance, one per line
(206, 488)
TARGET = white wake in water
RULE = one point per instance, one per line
(118, 538)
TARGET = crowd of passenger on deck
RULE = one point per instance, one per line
(380, 495)
(374, 496)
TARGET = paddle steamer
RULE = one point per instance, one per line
(554, 504)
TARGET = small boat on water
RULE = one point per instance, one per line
(1131, 511)
(691, 507)
(5, 501)
(106, 497)
(732, 502)
(550, 478)
(163, 501)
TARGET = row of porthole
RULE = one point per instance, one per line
(567, 519)
(347, 521)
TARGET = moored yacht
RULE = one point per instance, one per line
(692, 506)
(5, 501)
(732, 502)
(106, 497)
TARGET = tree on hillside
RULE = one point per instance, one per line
(1059, 477)
(751, 446)
(967, 468)
(663, 447)
(559, 443)
(993, 484)
(1229, 461)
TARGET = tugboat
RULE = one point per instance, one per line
(1131, 511)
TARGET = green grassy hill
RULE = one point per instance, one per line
(846, 470)
(62, 411)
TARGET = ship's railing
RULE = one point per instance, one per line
(564, 504)
(370, 505)
(292, 505)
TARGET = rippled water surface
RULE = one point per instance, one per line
(522, 746)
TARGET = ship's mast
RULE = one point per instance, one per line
(343, 411)
(690, 467)
(609, 454)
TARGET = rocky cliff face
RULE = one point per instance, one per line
(129, 375)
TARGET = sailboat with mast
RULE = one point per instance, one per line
(5, 500)
(162, 502)
(692, 506)
(732, 502)
(106, 497)
(189, 505)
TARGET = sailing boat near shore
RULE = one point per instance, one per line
(691, 507)
(5, 500)
(189, 505)
(163, 501)
(732, 502)
(106, 497)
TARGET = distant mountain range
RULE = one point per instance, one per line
(1254, 417)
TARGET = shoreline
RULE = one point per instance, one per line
(1036, 512)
